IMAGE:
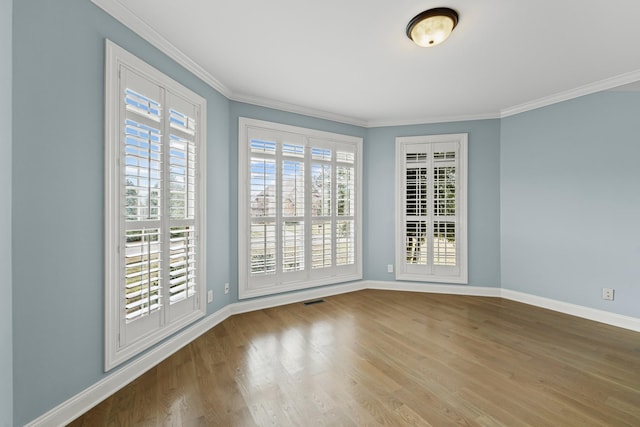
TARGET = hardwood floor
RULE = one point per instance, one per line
(394, 359)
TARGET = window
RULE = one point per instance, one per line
(431, 206)
(299, 208)
(154, 198)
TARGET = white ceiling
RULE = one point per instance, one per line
(351, 61)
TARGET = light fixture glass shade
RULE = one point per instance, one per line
(432, 27)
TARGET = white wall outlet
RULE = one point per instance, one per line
(226, 288)
(607, 293)
(389, 268)
(209, 296)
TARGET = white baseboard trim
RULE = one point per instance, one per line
(614, 319)
(80, 403)
(433, 288)
(96, 393)
(245, 306)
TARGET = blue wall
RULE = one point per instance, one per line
(483, 197)
(570, 201)
(540, 197)
(58, 191)
(6, 342)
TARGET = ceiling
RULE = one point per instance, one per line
(350, 60)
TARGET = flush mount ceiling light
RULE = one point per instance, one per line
(432, 27)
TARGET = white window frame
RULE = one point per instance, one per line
(308, 277)
(430, 272)
(118, 348)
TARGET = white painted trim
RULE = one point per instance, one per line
(121, 13)
(291, 298)
(256, 286)
(433, 288)
(572, 93)
(117, 61)
(130, 20)
(428, 144)
(613, 319)
(432, 119)
(297, 109)
(96, 393)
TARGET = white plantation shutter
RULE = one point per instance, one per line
(299, 208)
(154, 201)
(431, 208)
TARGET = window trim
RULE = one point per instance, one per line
(115, 58)
(244, 221)
(461, 208)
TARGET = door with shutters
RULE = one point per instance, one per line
(155, 206)
(431, 204)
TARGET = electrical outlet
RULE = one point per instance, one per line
(226, 288)
(389, 268)
(607, 293)
(210, 296)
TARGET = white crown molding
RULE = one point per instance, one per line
(297, 109)
(431, 120)
(567, 95)
(130, 20)
(121, 13)
(96, 393)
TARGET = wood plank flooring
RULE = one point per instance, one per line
(389, 358)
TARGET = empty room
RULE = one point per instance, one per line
(292, 213)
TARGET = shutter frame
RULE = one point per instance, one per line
(259, 140)
(124, 339)
(427, 270)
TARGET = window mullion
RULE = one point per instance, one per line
(431, 176)
(333, 213)
(308, 207)
(279, 216)
(164, 207)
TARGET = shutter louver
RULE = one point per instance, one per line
(143, 281)
(321, 244)
(143, 198)
(444, 208)
(416, 208)
(182, 264)
(263, 208)
(182, 202)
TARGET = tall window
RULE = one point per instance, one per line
(299, 208)
(154, 166)
(431, 203)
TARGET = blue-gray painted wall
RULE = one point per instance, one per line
(6, 330)
(58, 208)
(483, 197)
(570, 201)
(58, 195)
